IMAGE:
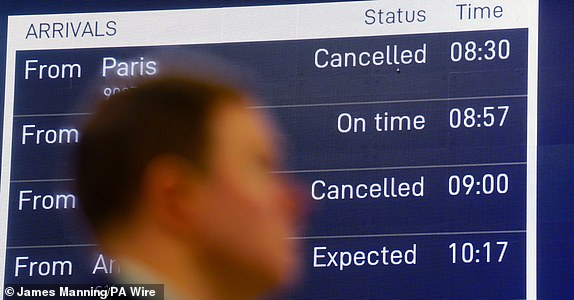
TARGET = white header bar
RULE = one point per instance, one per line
(262, 23)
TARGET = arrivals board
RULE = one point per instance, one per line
(412, 126)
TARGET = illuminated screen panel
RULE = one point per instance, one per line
(412, 125)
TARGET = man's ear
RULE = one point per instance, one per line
(170, 187)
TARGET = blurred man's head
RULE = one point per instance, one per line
(177, 173)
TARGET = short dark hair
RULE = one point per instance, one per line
(162, 115)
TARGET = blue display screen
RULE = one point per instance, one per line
(434, 142)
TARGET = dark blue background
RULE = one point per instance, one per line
(315, 144)
(556, 150)
(312, 136)
(427, 279)
(556, 125)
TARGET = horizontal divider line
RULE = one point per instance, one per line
(325, 170)
(399, 168)
(323, 237)
(53, 115)
(309, 105)
(50, 246)
(320, 237)
(42, 180)
(384, 102)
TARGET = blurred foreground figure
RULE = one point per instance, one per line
(175, 178)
